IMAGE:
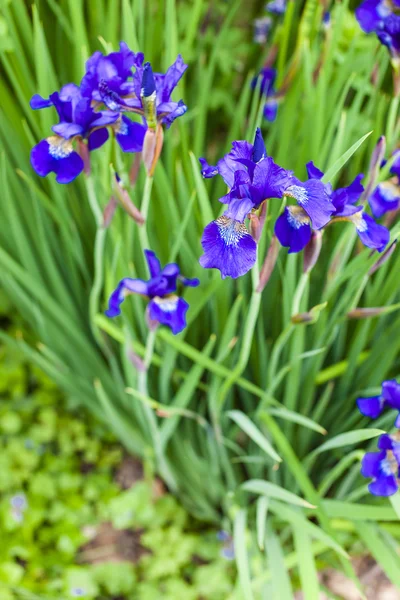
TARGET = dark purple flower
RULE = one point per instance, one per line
(371, 407)
(383, 467)
(267, 77)
(277, 7)
(293, 228)
(165, 306)
(384, 198)
(395, 169)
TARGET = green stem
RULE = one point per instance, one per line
(144, 209)
(249, 327)
(95, 292)
(298, 295)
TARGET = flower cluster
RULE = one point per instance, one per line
(386, 196)
(382, 17)
(112, 87)
(383, 466)
(164, 307)
(254, 178)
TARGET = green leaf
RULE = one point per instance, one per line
(335, 168)
(242, 558)
(271, 490)
(253, 432)
(348, 439)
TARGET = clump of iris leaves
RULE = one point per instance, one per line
(261, 431)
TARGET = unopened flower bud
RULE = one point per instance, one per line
(257, 222)
(269, 264)
(312, 251)
(309, 317)
(83, 151)
(152, 146)
(126, 202)
(109, 211)
(383, 258)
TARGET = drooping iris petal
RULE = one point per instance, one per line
(126, 286)
(170, 311)
(370, 233)
(229, 247)
(130, 135)
(97, 138)
(269, 180)
(292, 228)
(313, 198)
(370, 466)
(371, 407)
(56, 155)
(385, 197)
(384, 486)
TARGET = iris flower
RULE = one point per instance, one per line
(77, 120)
(165, 306)
(381, 17)
(252, 177)
(373, 406)
(383, 466)
(267, 78)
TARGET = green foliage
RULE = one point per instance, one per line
(242, 354)
(62, 463)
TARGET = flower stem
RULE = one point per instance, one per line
(94, 297)
(144, 209)
(245, 349)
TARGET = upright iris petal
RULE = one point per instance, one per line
(229, 247)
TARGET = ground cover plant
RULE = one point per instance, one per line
(221, 315)
(81, 520)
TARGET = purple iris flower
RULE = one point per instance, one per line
(165, 306)
(383, 466)
(385, 198)
(150, 93)
(373, 406)
(252, 177)
(77, 120)
(112, 72)
(380, 17)
(277, 7)
(267, 88)
(262, 28)
(371, 234)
